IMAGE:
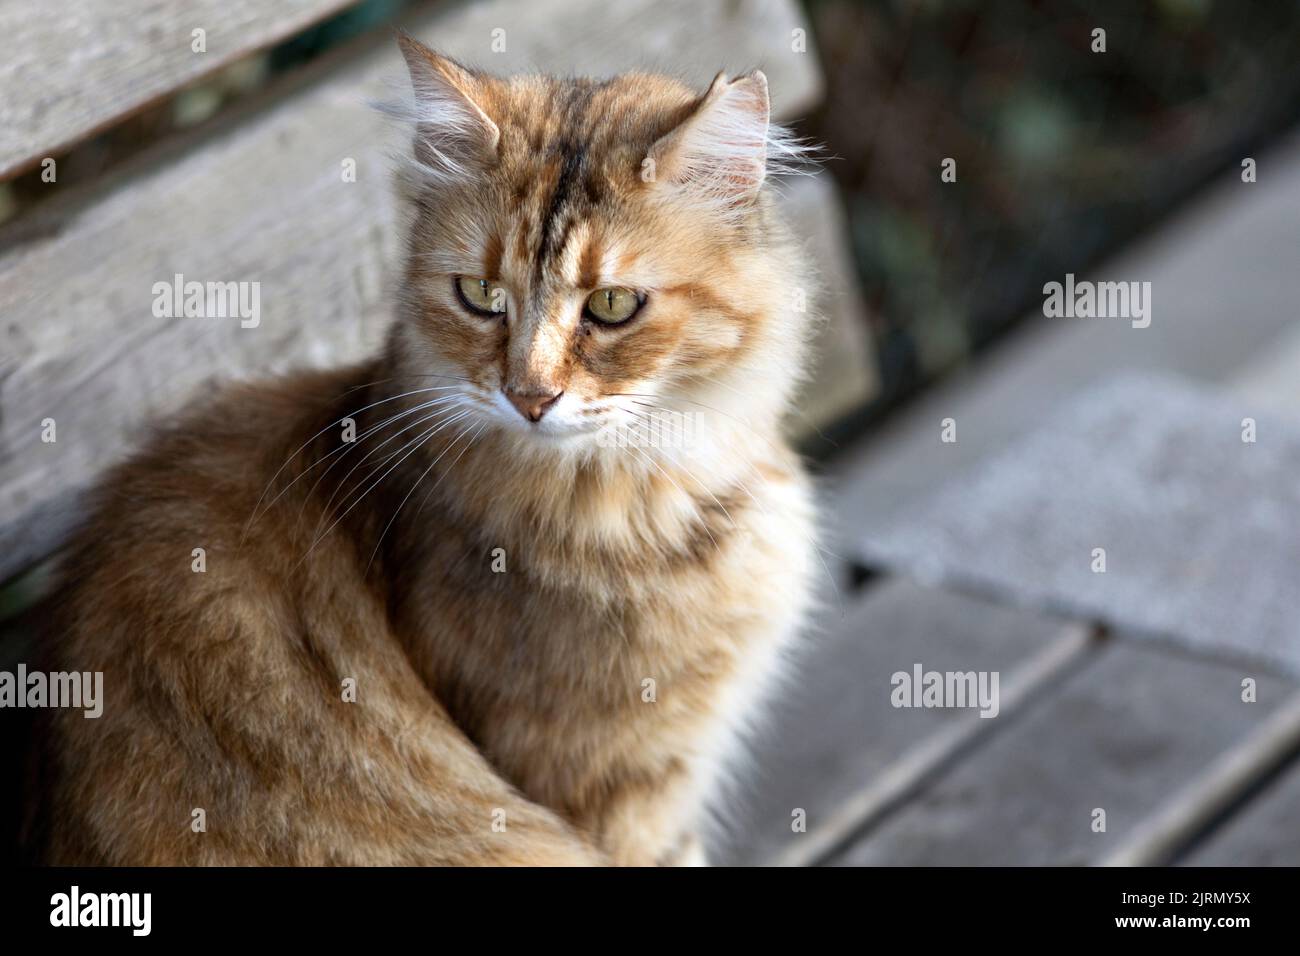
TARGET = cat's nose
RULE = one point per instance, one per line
(532, 405)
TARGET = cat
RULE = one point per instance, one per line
(510, 592)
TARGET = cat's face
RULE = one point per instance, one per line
(583, 252)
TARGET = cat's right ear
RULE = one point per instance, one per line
(453, 133)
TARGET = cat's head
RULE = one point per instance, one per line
(583, 252)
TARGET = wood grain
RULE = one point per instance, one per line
(69, 74)
(261, 198)
(1264, 832)
(1123, 734)
(1215, 792)
(834, 739)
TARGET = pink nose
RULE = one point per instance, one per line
(532, 406)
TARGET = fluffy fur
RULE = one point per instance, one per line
(506, 595)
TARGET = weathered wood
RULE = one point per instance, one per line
(1158, 839)
(932, 755)
(1122, 734)
(833, 733)
(1264, 832)
(1169, 498)
(263, 199)
(71, 70)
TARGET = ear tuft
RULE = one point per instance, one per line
(719, 153)
(453, 133)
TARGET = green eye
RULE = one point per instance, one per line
(613, 306)
(481, 295)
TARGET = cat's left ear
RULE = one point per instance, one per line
(453, 131)
(719, 152)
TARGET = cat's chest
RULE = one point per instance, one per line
(590, 632)
(555, 692)
(555, 660)
(534, 585)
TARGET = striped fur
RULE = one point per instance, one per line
(556, 642)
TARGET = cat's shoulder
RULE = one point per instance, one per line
(197, 476)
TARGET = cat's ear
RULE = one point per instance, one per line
(453, 133)
(719, 152)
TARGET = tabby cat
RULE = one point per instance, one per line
(471, 602)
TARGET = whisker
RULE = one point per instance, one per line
(253, 517)
(424, 474)
(347, 446)
(439, 404)
(405, 375)
(329, 509)
(481, 428)
(414, 445)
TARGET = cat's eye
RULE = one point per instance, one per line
(613, 306)
(481, 296)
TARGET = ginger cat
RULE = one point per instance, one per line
(509, 592)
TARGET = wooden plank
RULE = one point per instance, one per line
(1162, 491)
(834, 733)
(71, 72)
(1157, 840)
(1124, 733)
(264, 201)
(1265, 832)
(933, 754)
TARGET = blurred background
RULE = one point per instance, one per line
(1163, 149)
